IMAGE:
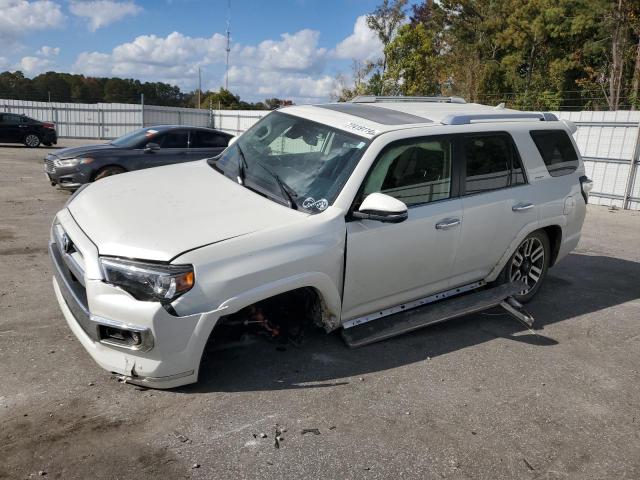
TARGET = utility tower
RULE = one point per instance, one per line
(228, 49)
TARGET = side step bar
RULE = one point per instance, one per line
(409, 320)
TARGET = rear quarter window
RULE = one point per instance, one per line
(556, 150)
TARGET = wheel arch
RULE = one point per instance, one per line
(319, 283)
(553, 230)
(95, 173)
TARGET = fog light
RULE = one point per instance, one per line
(118, 336)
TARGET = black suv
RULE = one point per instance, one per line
(70, 168)
(16, 128)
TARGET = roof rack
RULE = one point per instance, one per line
(465, 119)
(379, 99)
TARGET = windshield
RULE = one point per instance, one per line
(135, 139)
(293, 160)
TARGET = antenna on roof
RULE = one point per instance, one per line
(500, 106)
(228, 48)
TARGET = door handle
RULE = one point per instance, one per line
(448, 223)
(522, 207)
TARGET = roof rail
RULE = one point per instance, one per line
(378, 99)
(465, 119)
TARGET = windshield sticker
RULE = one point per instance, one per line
(360, 145)
(360, 129)
(319, 205)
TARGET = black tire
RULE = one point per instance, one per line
(107, 172)
(525, 265)
(32, 140)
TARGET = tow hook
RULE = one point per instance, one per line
(517, 311)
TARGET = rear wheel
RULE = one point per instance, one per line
(528, 265)
(32, 140)
(108, 171)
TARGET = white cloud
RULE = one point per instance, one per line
(21, 17)
(170, 57)
(34, 65)
(290, 66)
(362, 44)
(101, 13)
(297, 52)
(258, 84)
(46, 51)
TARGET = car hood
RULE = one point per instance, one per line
(159, 213)
(73, 152)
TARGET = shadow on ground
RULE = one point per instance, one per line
(580, 284)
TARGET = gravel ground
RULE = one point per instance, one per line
(478, 397)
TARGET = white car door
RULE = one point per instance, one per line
(496, 200)
(388, 264)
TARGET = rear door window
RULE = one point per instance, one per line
(556, 150)
(204, 139)
(488, 159)
(8, 119)
(173, 139)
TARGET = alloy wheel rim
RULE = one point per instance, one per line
(527, 264)
(32, 140)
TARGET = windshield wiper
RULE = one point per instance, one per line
(288, 192)
(242, 167)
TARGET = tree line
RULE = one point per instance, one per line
(66, 87)
(532, 54)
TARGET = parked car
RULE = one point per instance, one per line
(16, 128)
(376, 217)
(70, 168)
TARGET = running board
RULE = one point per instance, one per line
(409, 320)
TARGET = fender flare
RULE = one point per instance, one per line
(558, 221)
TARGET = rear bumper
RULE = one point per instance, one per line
(50, 136)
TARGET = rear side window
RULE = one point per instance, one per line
(491, 162)
(556, 150)
(203, 139)
(8, 119)
(173, 139)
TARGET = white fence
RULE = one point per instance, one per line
(608, 141)
(610, 146)
(111, 120)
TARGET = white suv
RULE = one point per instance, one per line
(376, 216)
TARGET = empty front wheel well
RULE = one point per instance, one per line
(283, 314)
(554, 233)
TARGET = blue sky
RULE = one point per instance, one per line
(285, 48)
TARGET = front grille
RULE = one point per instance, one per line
(49, 167)
(73, 292)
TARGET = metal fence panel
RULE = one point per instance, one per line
(608, 142)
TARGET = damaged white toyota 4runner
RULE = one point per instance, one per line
(381, 215)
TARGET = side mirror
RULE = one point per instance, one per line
(151, 147)
(382, 208)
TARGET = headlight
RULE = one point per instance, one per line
(72, 162)
(148, 281)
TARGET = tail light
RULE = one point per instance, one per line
(586, 185)
(49, 125)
